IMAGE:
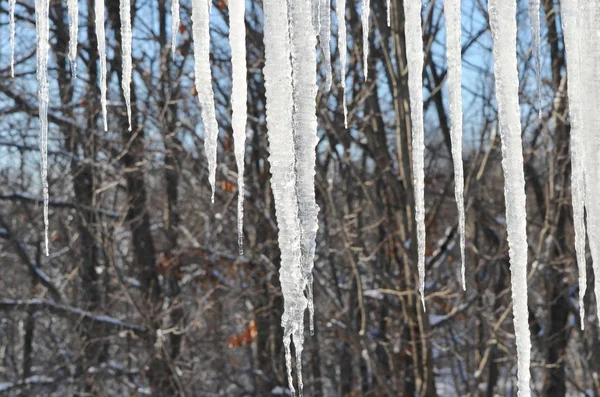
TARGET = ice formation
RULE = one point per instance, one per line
(73, 7)
(203, 79)
(504, 34)
(534, 17)
(239, 94)
(99, 11)
(340, 10)
(414, 56)
(324, 38)
(365, 16)
(11, 7)
(174, 25)
(125, 14)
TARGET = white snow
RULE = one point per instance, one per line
(534, 17)
(73, 8)
(324, 38)
(453, 51)
(42, 32)
(340, 9)
(203, 79)
(504, 33)
(11, 7)
(125, 14)
(365, 16)
(100, 35)
(239, 94)
(174, 25)
(571, 28)
(414, 56)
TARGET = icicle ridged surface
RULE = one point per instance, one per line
(340, 10)
(504, 33)
(534, 17)
(126, 39)
(570, 26)
(42, 32)
(203, 80)
(279, 109)
(303, 42)
(453, 52)
(239, 95)
(174, 25)
(324, 38)
(414, 56)
(100, 35)
(11, 7)
(365, 16)
(73, 34)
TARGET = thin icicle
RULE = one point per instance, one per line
(340, 10)
(99, 10)
(389, 13)
(11, 6)
(534, 17)
(414, 56)
(42, 32)
(504, 33)
(303, 42)
(203, 80)
(125, 13)
(453, 50)
(174, 25)
(73, 34)
(365, 16)
(279, 109)
(239, 94)
(325, 37)
(570, 25)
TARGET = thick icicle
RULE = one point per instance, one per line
(239, 94)
(42, 32)
(11, 6)
(389, 13)
(73, 34)
(414, 56)
(174, 25)
(303, 42)
(504, 33)
(570, 25)
(365, 16)
(453, 51)
(99, 11)
(534, 17)
(340, 10)
(203, 80)
(325, 37)
(125, 13)
(279, 108)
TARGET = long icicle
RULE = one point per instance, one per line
(453, 51)
(303, 43)
(340, 10)
(325, 37)
(203, 80)
(126, 39)
(11, 6)
(42, 28)
(278, 90)
(174, 25)
(365, 17)
(239, 94)
(414, 56)
(504, 34)
(73, 7)
(100, 35)
(389, 13)
(534, 17)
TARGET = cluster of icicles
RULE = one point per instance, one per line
(291, 89)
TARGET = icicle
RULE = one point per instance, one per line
(279, 109)
(504, 33)
(203, 80)
(125, 13)
(11, 6)
(534, 17)
(324, 38)
(389, 13)
(303, 42)
(453, 50)
(340, 10)
(99, 10)
(239, 94)
(414, 56)
(570, 27)
(364, 19)
(174, 25)
(42, 32)
(73, 34)
(316, 15)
